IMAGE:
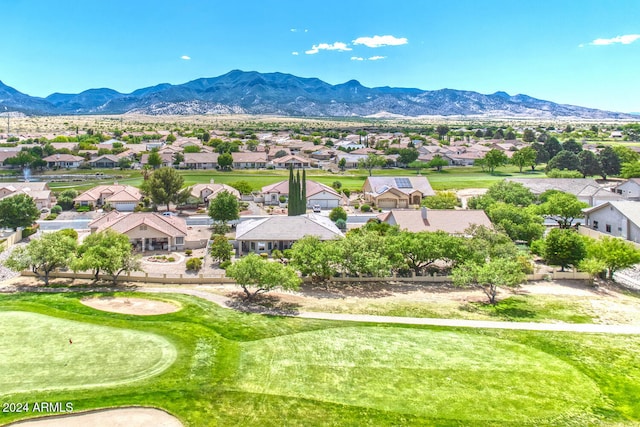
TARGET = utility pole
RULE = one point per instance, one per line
(8, 117)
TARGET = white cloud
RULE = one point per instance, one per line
(379, 41)
(295, 53)
(626, 39)
(185, 57)
(357, 58)
(294, 30)
(339, 46)
(377, 57)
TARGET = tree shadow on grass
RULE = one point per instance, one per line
(263, 304)
(507, 309)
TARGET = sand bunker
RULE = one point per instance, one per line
(139, 306)
(125, 417)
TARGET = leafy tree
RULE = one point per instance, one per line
(520, 224)
(191, 149)
(338, 213)
(18, 211)
(626, 154)
(564, 247)
(171, 138)
(22, 159)
(553, 147)
(408, 155)
(65, 199)
(280, 153)
(572, 145)
(220, 249)
(366, 253)
(486, 243)
(489, 276)
(510, 192)
(589, 164)
(418, 166)
(609, 162)
(419, 250)
(615, 253)
(124, 163)
(252, 270)
(342, 164)
(442, 131)
(193, 264)
(525, 157)
(371, 161)
(529, 135)
(165, 185)
(154, 160)
(630, 170)
(542, 155)
(510, 136)
(564, 160)
(315, 258)
(495, 159)
(593, 267)
(107, 251)
(225, 161)
(561, 207)
(244, 187)
(437, 162)
(43, 255)
(224, 207)
(442, 200)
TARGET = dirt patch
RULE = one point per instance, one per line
(125, 417)
(138, 306)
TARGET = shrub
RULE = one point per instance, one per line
(346, 192)
(356, 206)
(556, 173)
(28, 231)
(365, 208)
(282, 199)
(83, 208)
(341, 224)
(57, 209)
(225, 264)
(337, 213)
(264, 255)
(219, 228)
(537, 247)
(188, 252)
(69, 232)
(194, 264)
(277, 254)
(51, 217)
(170, 259)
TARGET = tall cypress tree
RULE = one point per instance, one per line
(292, 194)
(303, 195)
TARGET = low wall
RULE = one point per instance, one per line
(586, 231)
(11, 239)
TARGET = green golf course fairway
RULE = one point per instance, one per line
(36, 355)
(416, 372)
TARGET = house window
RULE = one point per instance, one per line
(180, 240)
(261, 246)
(270, 246)
(595, 225)
(607, 227)
(143, 228)
(252, 246)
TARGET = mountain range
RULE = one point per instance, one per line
(242, 92)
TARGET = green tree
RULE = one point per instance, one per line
(561, 207)
(525, 157)
(191, 149)
(338, 213)
(342, 164)
(220, 249)
(520, 224)
(254, 271)
(615, 253)
(154, 160)
(626, 154)
(442, 131)
(489, 276)
(564, 247)
(552, 146)
(165, 185)
(422, 249)
(297, 204)
(542, 155)
(510, 192)
(486, 243)
(225, 161)
(244, 187)
(589, 164)
(564, 160)
(495, 159)
(593, 267)
(124, 163)
(171, 138)
(65, 199)
(224, 208)
(366, 253)
(107, 251)
(18, 211)
(630, 170)
(371, 161)
(43, 255)
(442, 200)
(609, 162)
(408, 155)
(315, 259)
(572, 145)
(528, 135)
(437, 162)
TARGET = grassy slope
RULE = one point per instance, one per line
(218, 374)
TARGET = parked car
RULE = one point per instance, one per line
(169, 213)
(317, 209)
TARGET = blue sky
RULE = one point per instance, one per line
(580, 52)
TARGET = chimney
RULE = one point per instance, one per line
(423, 212)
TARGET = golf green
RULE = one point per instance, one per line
(416, 372)
(39, 352)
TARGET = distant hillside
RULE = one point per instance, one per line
(240, 92)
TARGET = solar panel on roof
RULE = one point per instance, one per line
(403, 183)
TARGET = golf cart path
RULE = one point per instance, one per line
(223, 301)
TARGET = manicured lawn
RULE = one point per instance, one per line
(233, 368)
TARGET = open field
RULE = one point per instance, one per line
(236, 368)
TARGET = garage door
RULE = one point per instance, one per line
(387, 203)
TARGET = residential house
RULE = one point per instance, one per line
(287, 161)
(123, 198)
(585, 189)
(109, 161)
(448, 220)
(396, 192)
(317, 194)
(38, 191)
(629, 189)
(349, 145)
(323, 154)
(351, 160)
(206, 192)
(201, 160)
(278, 149)
(167, 159)
(147, 231)
(249, 160)
(63, 161)
(281, 232)
(615, 218)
